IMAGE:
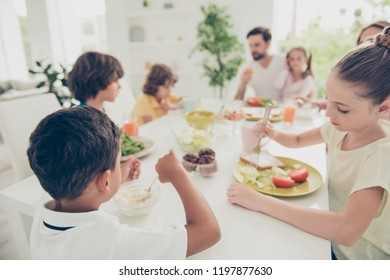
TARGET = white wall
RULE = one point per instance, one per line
(53, 31)
(38, 30)
(55, 36)
(245, 14)
(117, 32)
(12, 59)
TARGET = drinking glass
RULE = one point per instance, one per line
(289, 114)
(131, 127)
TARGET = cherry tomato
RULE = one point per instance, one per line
(254, 101)
(283, 182)
(299, 174)
(233, 116)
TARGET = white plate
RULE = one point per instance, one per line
(257, 113)
(149, 147)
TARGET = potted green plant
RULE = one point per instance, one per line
(56, 80)
(223, 53)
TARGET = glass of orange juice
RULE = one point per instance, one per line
(289, 114)
(131, 128)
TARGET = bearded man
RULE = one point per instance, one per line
(261, 73)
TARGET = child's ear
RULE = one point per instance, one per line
(384, 109)
(103, 181)
(268, 44)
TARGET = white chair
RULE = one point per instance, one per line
(18, 118)
(5, 162)
(6, 174)
(120, 110)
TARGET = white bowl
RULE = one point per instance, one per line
(133, 199)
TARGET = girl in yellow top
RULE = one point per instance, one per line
(156, 99)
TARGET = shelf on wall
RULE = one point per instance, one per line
(179, 73)
(152, 13)
(158, 44)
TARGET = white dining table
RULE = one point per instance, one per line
(244, 234)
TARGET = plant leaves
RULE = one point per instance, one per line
(222, 50)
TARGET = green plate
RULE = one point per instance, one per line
(313, 182)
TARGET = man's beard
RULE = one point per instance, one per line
(258, 56)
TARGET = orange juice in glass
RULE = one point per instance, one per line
(131, 128)
(289, 114)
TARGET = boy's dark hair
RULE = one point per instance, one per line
(260, 31)
(92, 72)
(158, 75)
(70, 147)
(367, 68)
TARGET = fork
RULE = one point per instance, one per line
(254, 157)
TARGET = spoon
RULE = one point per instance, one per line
(221, 111)
(151, 184)
(147, 191)
(218, 117)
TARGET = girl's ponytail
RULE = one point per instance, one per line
(383, 39)
(308, 71)
(367, 67)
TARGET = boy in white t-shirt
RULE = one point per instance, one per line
(75, 153)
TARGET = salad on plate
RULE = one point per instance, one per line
(295, 179)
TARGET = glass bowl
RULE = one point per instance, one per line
(192, 140)
(306, 113)
(133, 199)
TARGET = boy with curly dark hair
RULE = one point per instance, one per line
(75, 153)
(157, 99)
(95, 78)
